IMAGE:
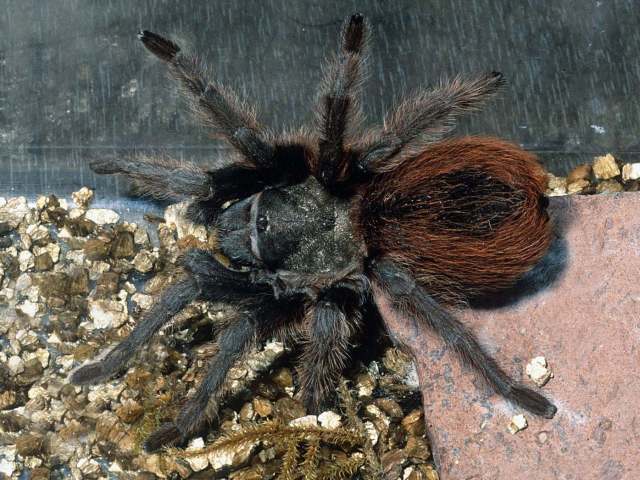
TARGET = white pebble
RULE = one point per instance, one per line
(15, 364)
(539, 371)
(518, 422)
(631, 171)
(330, 420)
(102, 216)
(306, 421)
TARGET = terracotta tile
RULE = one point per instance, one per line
(587, 325)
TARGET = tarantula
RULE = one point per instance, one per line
(320, 226)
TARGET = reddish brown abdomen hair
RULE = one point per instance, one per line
(466, 216)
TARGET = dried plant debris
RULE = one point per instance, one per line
(605, 175)
(74, 279)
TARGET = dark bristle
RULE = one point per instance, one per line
(88, 374)
(533, 402)
(354, 34)
(161, 47)
(166, 435)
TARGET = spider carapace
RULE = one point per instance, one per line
(324, 224)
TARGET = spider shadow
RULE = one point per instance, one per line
(545, 274)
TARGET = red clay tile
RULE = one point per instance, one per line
(587, 325)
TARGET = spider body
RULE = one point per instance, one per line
(322, 227)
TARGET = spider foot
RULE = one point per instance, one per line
(106, 166)
(88, 374)
(167, 434)
(533, 402)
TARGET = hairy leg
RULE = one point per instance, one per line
(406, 297)
(333, 322)
(339, 110)
(161, 177)
(207, 279)
(424, 118)
(233, 342)
(173, 299)
(215, 106)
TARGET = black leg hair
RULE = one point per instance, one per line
(339, 109)
(233, 342)
(161, 178)
(334, 321)
(406, 297)
(173, 299)
(207, 279)
(425, 118)
(216, 107)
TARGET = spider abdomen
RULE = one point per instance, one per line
(466, 216)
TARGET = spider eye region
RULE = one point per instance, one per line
(262, 223)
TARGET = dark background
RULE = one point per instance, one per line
(75, 82)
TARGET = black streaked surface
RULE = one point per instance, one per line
(73, 74)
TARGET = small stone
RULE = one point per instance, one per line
(96, 249)
(605, 167)
(413, 423)
(107, 284)
(538, 370)
(25, 260)
(123, 245)
(609, 186)
(78, 281)
(262, 407)
(518, 422)
(89, 467)
(141, 237)
(390, 407)
(14, 211)
(39, 235)
(371, 431)
(143, 262)
(198, 462)
(630, 171)
(107, 313)
(82, 197)
(306, 421)
(15, 364)
(143, 300)
(577, 186)
(581, 172)
(27, 308)
(7, 399)
(330, 420)
(365, 384)
(417, 449)
(283, 378)
(29, 444)
(5, 228)
(101, 216)
(557, 185)
(43, 262)
(246, 413)
(129, 411)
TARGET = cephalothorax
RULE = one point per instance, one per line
(319, 226)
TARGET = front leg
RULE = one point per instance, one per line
(286, 283)
(234, 341)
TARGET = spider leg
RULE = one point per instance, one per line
(334, 321)
(233, 342)
(217, 107)
(162, 178)
(425, 118)
(339, 110)
(208, 279)
(396, 293)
